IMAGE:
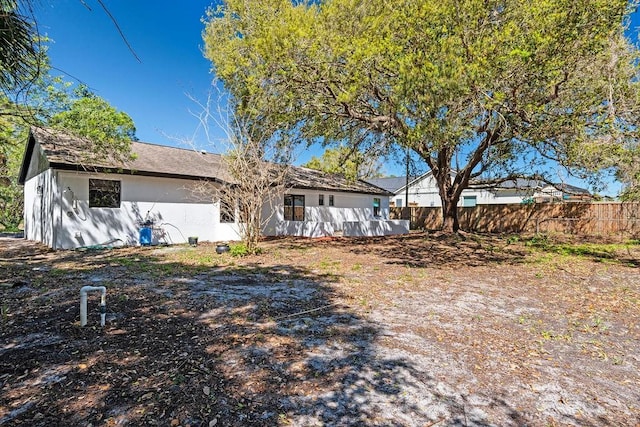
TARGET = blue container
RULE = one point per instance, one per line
(145, 236)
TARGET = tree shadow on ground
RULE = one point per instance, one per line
(436, 250)
(240, 344)
(598, 250)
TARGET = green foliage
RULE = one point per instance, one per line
(602, 252)
(48, 101)
(346, 161)
(11, 206)
(19, 57)
(492, 89)
(89, 116)
(12, 139)
(80, 113)
(241, 250)
(629, 173)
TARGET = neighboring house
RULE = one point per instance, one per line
(71, 203)
(423, 191)
(562, 193)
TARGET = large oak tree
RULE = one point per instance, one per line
(347, 161)
(490, 89)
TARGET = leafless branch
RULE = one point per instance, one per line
(115, 23)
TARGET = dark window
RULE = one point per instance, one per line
(321, 200)
(104, 193)
(293, 207)
(227, 211)
(331, 200)
(376, 207)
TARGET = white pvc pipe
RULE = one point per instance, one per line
(83, 303)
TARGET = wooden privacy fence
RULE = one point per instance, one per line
(575, 218)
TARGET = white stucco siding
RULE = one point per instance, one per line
(324, 220)
(483, 197)
(170, 203)
(503, 197)
(376, 228)
(57, 212)
(424, 192)
(347, 207)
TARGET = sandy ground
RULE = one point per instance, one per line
(404, 331)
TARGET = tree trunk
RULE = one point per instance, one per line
(450, 222)
(448, 190)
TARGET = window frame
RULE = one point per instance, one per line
(377, 210)
(474, 203)
(289, 212)
(100, 194)
(331, 200)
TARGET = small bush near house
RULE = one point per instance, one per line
(241, 250)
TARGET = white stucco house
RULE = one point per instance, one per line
(71, 202)
(423, 191)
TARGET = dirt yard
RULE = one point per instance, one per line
(403, 331)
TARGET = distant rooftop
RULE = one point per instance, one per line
(395, 183)
(391, 184)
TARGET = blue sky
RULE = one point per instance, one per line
(166, 36)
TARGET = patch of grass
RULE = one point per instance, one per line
(57, 272)
(135, 263)
(241, 250)
(238, 250)
(606, 252)
(513, 239)
(126, 261)
(406, 278)
(596, 325)
(328, 264)
(547, 335)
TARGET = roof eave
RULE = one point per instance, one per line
(341, 190)
(94, 169)
(26, 158)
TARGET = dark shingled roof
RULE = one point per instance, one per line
(392, 184)
(535, 184)
(313, 179)
(521, 184)
(571, 189)
(71, 153)
(68, 152)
